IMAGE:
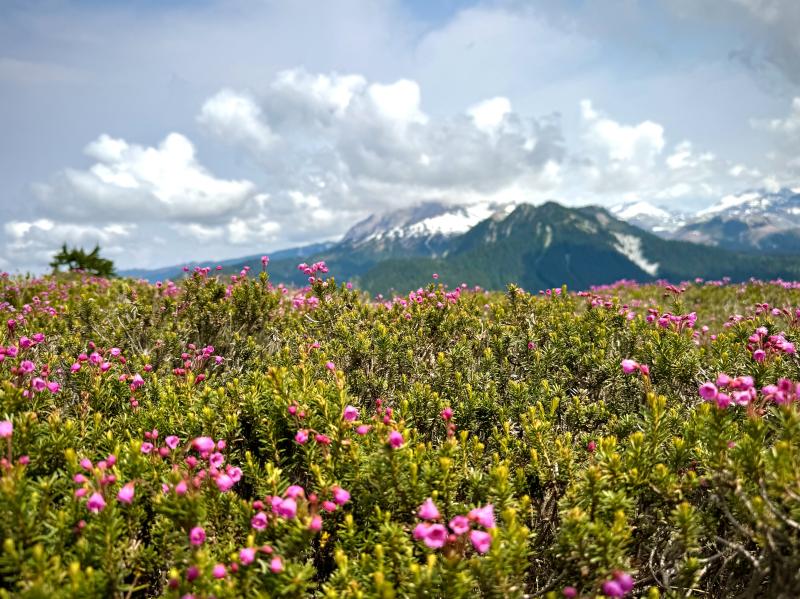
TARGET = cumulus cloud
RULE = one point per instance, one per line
(375, 136)
(30, 244)
(236, 117)
(617, 161)
(618, 156)
(326, 149)
(136, 183)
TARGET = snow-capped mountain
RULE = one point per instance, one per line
(649, 217)
(535, 246)
(756, 220)
(423, 228)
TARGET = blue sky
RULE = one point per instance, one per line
(169, 131)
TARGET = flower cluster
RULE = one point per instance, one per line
(436, 535)
(763, 345)
(740, 391)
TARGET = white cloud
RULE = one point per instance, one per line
(136, 183)
(237, 116)
(31, 244)
(489, 114)
(640, 143)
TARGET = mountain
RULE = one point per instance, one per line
(233, 264)
(757, 221)
(535, 247)
(424, 229)
(545, 246)
(761, 221)
(645, 215)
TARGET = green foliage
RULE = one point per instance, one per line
(590, 471)
(77, 259)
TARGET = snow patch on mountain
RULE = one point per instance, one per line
(649, 217)
(426, 220)
(630, 246)
(637, 209)
(749, 200)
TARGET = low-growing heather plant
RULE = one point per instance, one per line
(224, 437)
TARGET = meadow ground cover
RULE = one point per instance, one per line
(225, 437)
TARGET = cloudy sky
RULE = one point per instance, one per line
(172, 130)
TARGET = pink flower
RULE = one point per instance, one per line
(569, 592)
(192, 573)
(224, 482)
(480, 540)
(330, 366)
(759, 355)
(125, 494)
(137, 381)
(459, 524)
(26, 366)
(180, 488)
(75, 367)
(447, 413)
(96, 503)
(86, 464)
(611, 588)
(644, 369)
(216, 459)
(294, 491)
(624, 580)
(421, 530)
(286, 508)
(247, 555)
(363, 429)
(436, 536)
(340, 496)
(172, 441)
(53, 387)
(395, 439)
(219, 571)
(316, 523)
(276, 565)
(629, 366)
(301, 436)
(235, 473)
(259, 521)
(38, 384)
(147, 447)
(197, 536)
(483, 515)
(6, 429)
(708, 391)
(350, 413)
(428, 510)
(203, 444)
(329, 506)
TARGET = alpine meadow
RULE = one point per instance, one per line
(400, 299)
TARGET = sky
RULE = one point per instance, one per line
(177, 130)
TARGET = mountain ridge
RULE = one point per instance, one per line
(535, 246)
